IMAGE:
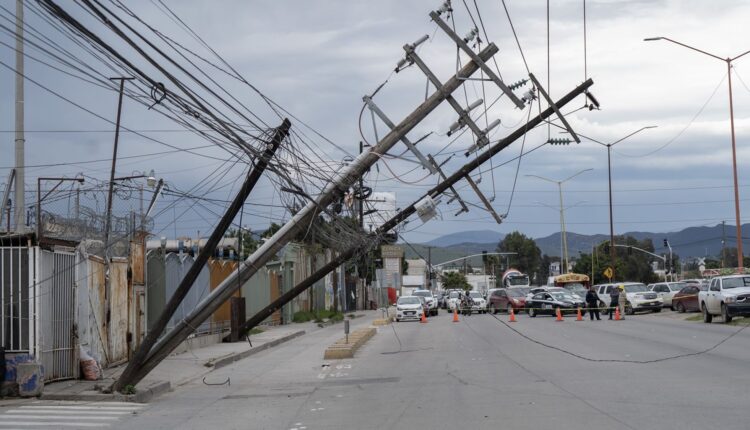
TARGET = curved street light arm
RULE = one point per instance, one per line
(650, 39)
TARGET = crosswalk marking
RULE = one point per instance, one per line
(53, 414)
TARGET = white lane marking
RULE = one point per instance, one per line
(83, 408)
(51, 423)
(63, 412)
(54, 417)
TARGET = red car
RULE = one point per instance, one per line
(505, 299)
(686, 300)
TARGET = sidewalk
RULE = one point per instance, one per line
(179, 369)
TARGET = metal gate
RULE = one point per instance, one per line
(55, 302)
(16, 269)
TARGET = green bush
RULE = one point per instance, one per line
(302, 316)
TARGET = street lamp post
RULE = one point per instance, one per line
(728, 61)
(564, 257)
(612, 253)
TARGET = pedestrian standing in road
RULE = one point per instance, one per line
(614, 298)
(623, 300)
(592, 300)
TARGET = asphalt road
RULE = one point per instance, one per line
(479, 373)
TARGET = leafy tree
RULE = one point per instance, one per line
(248, 243)
(272, 229)
(528, 255)
(454, 281)
(631, 264)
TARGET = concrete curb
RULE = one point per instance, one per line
(225, 361)
(143, 395)
(342, 349)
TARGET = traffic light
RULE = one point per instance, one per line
(606, 248)
(666, 244)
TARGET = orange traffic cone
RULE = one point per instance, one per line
(579, 317)
(455, 315)
(512, 316)
(424, 318)
(559, 315)
(617, 313)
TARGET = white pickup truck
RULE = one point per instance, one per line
(728, 296)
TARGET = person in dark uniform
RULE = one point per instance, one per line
(593, 301)
(614, 300)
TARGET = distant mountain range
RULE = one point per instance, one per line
(690, 242)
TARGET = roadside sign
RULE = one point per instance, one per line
(608, 273)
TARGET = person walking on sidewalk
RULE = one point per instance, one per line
(592, 299)
(614, 298)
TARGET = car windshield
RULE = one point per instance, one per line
(518, 280)
(421, 293)
(635, 288)
(475, 295)
(729, 283)
(575, 287)
(517, 292)
(408, 301)
(559, 295)
(677, 286)
(703, 287)
(453, 295)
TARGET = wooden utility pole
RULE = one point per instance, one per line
(331, 193)
(410, 210)
(200, 261)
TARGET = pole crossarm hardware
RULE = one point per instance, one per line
(486, 69)
(411, 209)
(552, 105)
(412, 147)
(331, 193)
(187, 281)
(464, 208)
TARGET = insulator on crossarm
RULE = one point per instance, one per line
(559, 141)
(516, 85)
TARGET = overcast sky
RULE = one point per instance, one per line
(317, 60)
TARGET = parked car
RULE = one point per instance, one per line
(547, 302)
(409, 308)
(728, 296)
(478, 303)
(440, 296)
(637, 297)
(454, 298)
(686, 300)
(506, 299)
(534, 290)
(666, 291)
(429, 298)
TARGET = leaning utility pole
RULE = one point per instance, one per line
(331, 193)
(206, 251)
(402, 215)
(20, 139)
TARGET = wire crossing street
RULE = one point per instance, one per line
(478, 373)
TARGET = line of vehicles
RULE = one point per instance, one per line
(724, 296)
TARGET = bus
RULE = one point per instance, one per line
(575, 282)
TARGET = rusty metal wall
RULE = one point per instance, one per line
(118, 326)
(220, 270)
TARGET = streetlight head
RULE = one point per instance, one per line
(651, 39)
(151, 179)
